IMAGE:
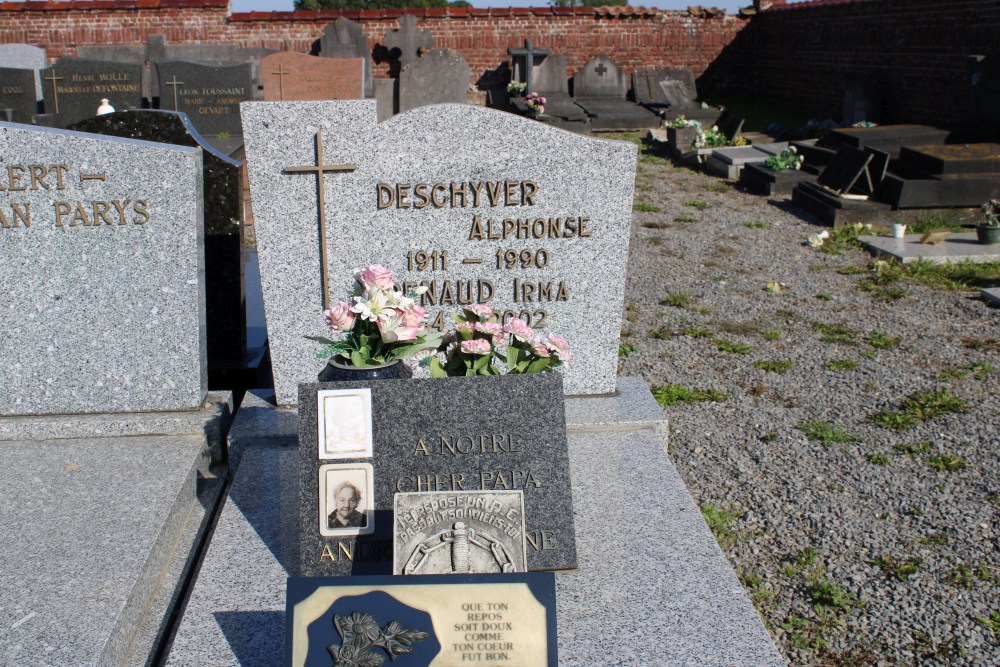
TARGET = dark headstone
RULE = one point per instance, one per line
(601, 77)
(345, 39)
(600, 89)
(407, 40)
(210, 96)
(293, 76)
(845, 169)
(484, 433)
(524, 63)
(730, 125)
(226, 320)
(889, 138)
(81, 84)
(25, 56)
(861, 101)
(760, 180)
(440, 75)
(660, 87)
(549, 77)
(835, 210)
(17, 93)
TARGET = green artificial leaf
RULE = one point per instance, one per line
(436, 370)
(538, 365)
(357, 359)
(512, 353)
(481, 363)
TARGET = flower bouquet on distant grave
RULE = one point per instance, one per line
(710, 138)
(516, 88)
(535, 102)
(480, 345)
(381, 325)
(988, 231)
(786, 160)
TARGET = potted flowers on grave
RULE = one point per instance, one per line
(710, 138)
(988, 230)
(480, 345)
(381, 328)
(516, 88)
(786, 160)
(682, 133)
(536, 103)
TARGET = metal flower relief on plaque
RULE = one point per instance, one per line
(359, 634)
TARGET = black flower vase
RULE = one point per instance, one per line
(336, 371)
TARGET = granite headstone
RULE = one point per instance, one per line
(74, 87)
(103, 261)
(17, 93)
(407, 42)
(345, 39)
(439, 76)
(25, 56)
(209, 95)
(541, 233)
(505, 433)
(600, 77)
(293, 76)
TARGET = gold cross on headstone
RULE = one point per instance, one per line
(55, 88)
(320, 170)
(281, 74)
(174, 83)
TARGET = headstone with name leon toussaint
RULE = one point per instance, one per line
(209, 95)
(74, 87)
(449, 197)
(25, 56)
(17, 93)
(226, 317)
(119, 326)
(293, 76)
(439, 76)
(362, 443)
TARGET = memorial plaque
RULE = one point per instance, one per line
(17, 93)
(500, 433)
(209, 95)
(292, 76)
(459, 532)
(74, 87)
(444, 196)
(102, 258)
(439, 620)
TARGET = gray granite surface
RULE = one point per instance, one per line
(106, 316)
(959, 247)
(526, 411)
(576, 177)
(25, 56)
(89, 527)
(991, 295)
(740, 155)
(660, 593)
(437, 77)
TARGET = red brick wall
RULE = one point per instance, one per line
(633, 37)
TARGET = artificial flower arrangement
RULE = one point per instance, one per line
(516, 88)
(710, 138)
(786, 160)
(481, 345)
(991, 213)
(535, 102)
(380, 323)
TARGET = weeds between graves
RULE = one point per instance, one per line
(901, 569)
(956, 276)
(836, 333)
(927, 652)
(694, 332)
(914, 449)
(925, 222)
(945, 463)
(755, 224)
(643, 207)
(917, 407)
(772, 334)
(881, 341)
(823, 296)
(992, 622)
(720, 520)
(674, 394)
(934, 540)
(697, 203)
(980, 371)
(684, 218)
(716, 187)
(625, 349)
(731, 347)
(763, 599)
(840, 364)
(826, 433)
(677, 299)
(773, 365)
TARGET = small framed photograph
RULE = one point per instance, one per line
(345, 423)
(346, 499)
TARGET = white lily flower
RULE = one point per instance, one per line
(373, 306)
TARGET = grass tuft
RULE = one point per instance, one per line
(826, 433)
(919, 406)
(841, 364)
(673, 394)
(731, 347)
(836, 333)
(901, 570)
(643, 207)
(773, 365)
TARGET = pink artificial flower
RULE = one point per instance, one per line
(465, 327)
(519, 329)
(480, 310)
(493, 329)
(375, 276)
(476, 346)
(395, 329)
(539, 348)
(559, 345)
(414, 316)
(340, 317)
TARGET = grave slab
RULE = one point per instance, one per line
(835, 210)
(676, 584)
(74, 87)
(953, 158)
(133, 236)
(209, 95)
(959, 247)
(25, 56)
(729, 162)
(94, 530)
(760, 180)
(293, 76)
(888, 138)
(576, 177)
(608, 115)
(17, 93)
(991, 296)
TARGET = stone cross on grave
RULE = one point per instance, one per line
(529, 53)
(601, 70)
(321, 170)
(174, 83)
(281, 74)
(408, 39)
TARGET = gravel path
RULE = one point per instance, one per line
(802, 520)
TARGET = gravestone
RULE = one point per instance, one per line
(729, 162)
(861, 101)
(409, 41)
(943, 176)
(888, 138)
(845, 169)
(439, 76)
(25, 56)
(73, 88)
(17, 94)
(209, 95)
(345, 39)
(954, 248)
(444, 216)
(224, 280)
(292, 76)
(600, 89)
(437, 448)
(525, 61)
(601, 77)
(132, 234)
(550, 81)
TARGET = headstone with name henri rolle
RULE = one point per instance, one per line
(540, 234)
(293, 76)
(209, 95)
(74, 87)
(17, 94)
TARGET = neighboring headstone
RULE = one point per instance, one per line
(210, 96)
(74, 87)
(119, 327)
(671, 93)
(600, 89)
(25, 56)
(453, 443)
(436, 180)
(345, 39)
(409, 41)
(434, 620)
(224, 287)
(439, 76)
(861, 101)
(601, 77)
(845, 169)
(17, 93)
(549, 80)
(458, 532)
(730, 125)
(524, 63)
(292, 76)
